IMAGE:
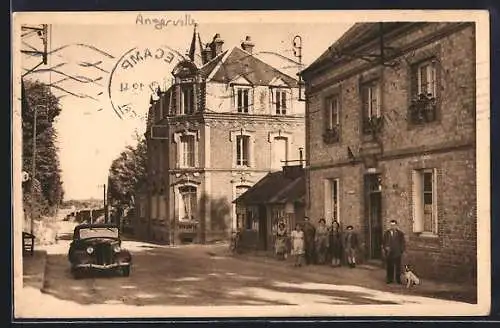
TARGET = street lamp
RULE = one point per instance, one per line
(106, 218)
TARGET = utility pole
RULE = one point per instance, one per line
(106, 217)
(33, 171)
(42, 32)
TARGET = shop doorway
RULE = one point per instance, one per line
(373, 216)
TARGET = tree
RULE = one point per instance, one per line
(48, 188)
(126, 174)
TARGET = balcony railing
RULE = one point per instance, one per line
(331, 135)
(423, 109)
(373, 125)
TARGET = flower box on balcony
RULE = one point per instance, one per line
(331, 135)
(373, 125)
(423, 109)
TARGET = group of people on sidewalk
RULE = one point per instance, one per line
(317, 245)
(330, 245)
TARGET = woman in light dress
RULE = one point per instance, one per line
(298, 245)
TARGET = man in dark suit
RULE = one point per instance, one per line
(394, 247)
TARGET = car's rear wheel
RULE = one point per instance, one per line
(126, 271)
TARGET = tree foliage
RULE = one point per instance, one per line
(127, 173)
(48, 188)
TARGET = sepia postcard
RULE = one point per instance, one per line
(251, 164)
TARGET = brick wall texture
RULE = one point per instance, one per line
(447, 144)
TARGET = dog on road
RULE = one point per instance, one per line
(410, 277)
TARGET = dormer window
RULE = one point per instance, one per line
(243, 98)
(187, 99)
(281, 100)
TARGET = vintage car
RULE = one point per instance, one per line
(98, 247)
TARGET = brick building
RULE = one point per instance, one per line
(226, 121)
(390, 121)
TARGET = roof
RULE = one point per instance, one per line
(359, 34)
(95, 225)
(275, 188)
(237, 62)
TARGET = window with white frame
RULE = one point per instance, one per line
(425, 218)
(187, 99)
(189, 203)
(187, 150)
(332, 113)
(243, 99)
(426, 78)
(332, 200)
(241, 214)
(281, 100)
(279, 152)
(242, 150)
(371, 99)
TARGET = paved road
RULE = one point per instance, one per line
(192, 275)
(199, 280)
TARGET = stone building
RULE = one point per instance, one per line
(226, 121)
(390, 121)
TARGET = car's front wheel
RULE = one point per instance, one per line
(77, 274)
(126, 271)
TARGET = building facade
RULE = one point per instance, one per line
(390, 121)
(279, 196)
(227, 120)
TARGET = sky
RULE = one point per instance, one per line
(85, 61)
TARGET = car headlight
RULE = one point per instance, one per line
(90, 250)
(117, 249)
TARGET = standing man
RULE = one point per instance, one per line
(309, 233)
(394, 247)
(350, 246)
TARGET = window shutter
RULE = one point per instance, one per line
(250, 99)
(434, 201)
(234, 99)
(417, 201)
(414, 80)
(271, 101)
(326, 113)
(328, 199)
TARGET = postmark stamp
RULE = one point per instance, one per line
(136, 75)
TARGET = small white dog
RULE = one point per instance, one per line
(410, 278)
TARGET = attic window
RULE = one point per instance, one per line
(243, 98)
(281, 98)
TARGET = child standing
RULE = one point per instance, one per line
(298, 245)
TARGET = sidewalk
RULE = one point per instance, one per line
(364, 275)
(34, 269)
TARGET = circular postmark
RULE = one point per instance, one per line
(137, 75)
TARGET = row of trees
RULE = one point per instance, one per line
(127, 174)
(48, 188)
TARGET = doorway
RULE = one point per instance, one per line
(373, 215)
(263, 227)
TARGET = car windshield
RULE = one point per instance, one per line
(98, 232)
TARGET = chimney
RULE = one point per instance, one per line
(247, 45)
(216, 46)
(207, 54)
(293, 171)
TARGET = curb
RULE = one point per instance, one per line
(457, 289)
